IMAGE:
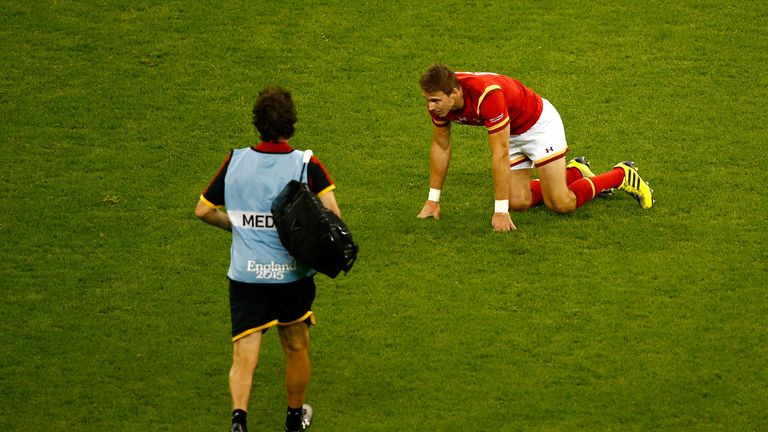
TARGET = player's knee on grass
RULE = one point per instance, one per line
(561, 206)
(519, 205)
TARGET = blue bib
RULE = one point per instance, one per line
(252, 182)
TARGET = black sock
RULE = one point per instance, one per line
(293, 418)
(239, 416)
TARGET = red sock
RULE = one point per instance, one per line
(536, 195)
(572, 174)
(611, 179)
(587, 188)
(584, 190)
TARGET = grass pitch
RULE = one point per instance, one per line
(116, 115)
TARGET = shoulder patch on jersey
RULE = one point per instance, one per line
(499, 126)
(497, 118)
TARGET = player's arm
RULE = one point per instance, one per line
(329, 201)
(212, 200)
(499, 144)
(493, 107)
(211, 215)
(439, 159)
(320, 183)
(439, 156)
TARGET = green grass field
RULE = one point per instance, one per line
(115, 316)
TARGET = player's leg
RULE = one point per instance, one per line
(294, 320)
(546, 146)
(564, 188)
(245, 357)
(556, 193)
(295, 341)
(521, 190)
(524, 192)
(576, 169)
(250, 313)
(565, 199)
(623, 176)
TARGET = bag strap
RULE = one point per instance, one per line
(305, 161)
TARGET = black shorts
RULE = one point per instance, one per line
(257, 307)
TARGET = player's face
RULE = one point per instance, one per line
(439, 103)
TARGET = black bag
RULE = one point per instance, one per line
(310, 232)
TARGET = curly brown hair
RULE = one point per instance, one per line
(274, 114)
(439, 77)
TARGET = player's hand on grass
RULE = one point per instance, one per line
(431, 209)
(502, 222)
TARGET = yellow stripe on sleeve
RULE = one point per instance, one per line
(326, 190)
(208, 203)
(487, 90)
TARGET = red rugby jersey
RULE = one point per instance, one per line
(493, 101)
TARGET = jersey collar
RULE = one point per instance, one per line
(271, 147)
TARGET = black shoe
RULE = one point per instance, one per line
(306, 418)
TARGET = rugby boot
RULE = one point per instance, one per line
(306, 419)
(634, 185)
(581, 164)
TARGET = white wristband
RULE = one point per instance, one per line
(501, 206)
(434, 194)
